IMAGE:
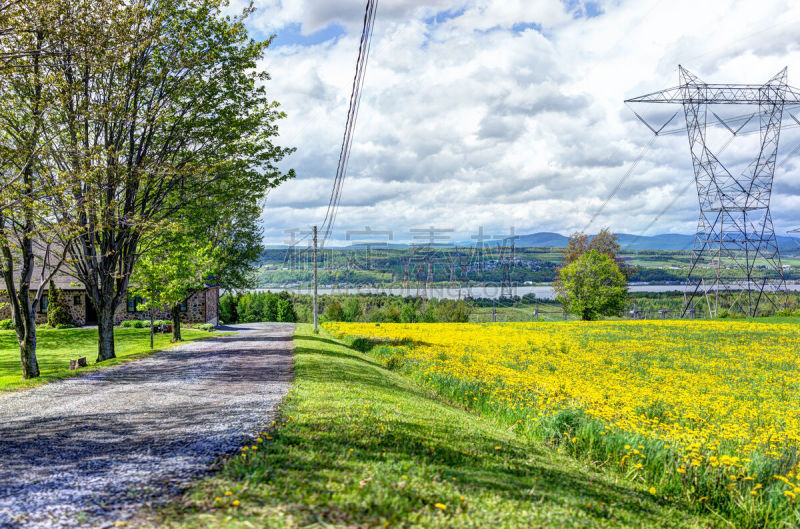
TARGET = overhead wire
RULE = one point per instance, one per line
(352, 115)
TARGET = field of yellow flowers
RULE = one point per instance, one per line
(706, 411)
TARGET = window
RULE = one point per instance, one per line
(183, 306)
(43, 304)
(133, 304)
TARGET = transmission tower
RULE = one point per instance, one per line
(735, 236)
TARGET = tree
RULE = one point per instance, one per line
(27, 183)
(162, 109)
(352, 309)
(592, 286)
(334, 311)
(176, 266)
(579, 243)
(57, 307)
(228, 312)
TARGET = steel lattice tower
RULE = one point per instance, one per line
(735, 235)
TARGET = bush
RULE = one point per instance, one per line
(409, 314)
(286, 311)
(334, 312)
(7, 325)
(140, 324)
(126, 323)
(64, 326)
(205, 326)
(227, 308)
(57, 308)
(352, 309)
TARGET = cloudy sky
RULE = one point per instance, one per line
(501, 113)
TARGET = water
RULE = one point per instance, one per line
(489, 291)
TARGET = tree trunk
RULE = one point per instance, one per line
(105, 326)
(152, 331)
(27, 350)
(176, 323)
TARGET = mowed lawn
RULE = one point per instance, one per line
(55, 347)
(358, 446)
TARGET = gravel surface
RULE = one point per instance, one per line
(96, 449)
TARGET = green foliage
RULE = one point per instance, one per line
(57, 309)
(227, 308)
(378, 308)
(6, 324)
(409, 314)
(592, 286)
(286, 311)
(352, 309)
(208, 327)
(63, 326)
(334, 311)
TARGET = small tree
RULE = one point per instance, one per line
(334, 311)
(285, 310)
(228, 311)
(57, 308)
(352, 309)
(592, 286)
(174, 268)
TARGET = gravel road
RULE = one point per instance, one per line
(95, 449)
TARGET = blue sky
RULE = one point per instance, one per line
(509, 113)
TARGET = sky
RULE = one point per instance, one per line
(510, 114)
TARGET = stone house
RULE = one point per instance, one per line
(201, 307)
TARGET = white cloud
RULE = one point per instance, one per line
(478, 117)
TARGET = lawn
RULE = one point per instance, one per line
(55, 347)
(359, 445)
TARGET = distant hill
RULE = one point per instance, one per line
(664, 241)
(542, 239)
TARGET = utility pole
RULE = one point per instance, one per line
(494, 311)
(316, 329)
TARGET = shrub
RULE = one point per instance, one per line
(139, 324)
(286, 311)
(57, 308)
(205, 326)
(334, 312)
(126, 323)
(227, 308)
(352, 309)
(64, 326)
(7, 324)
(409, 314)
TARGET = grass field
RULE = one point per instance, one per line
(55, 347)
(361, 446)
(702, 411)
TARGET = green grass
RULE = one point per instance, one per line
(55, 347)
(361, 446)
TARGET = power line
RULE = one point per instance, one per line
(352, 115)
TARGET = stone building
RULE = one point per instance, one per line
(201, 307)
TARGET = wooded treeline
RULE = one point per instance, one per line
(136, 145)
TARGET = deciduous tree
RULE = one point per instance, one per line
(592, 286)
(163, 107)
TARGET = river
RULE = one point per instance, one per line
(489, 292)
